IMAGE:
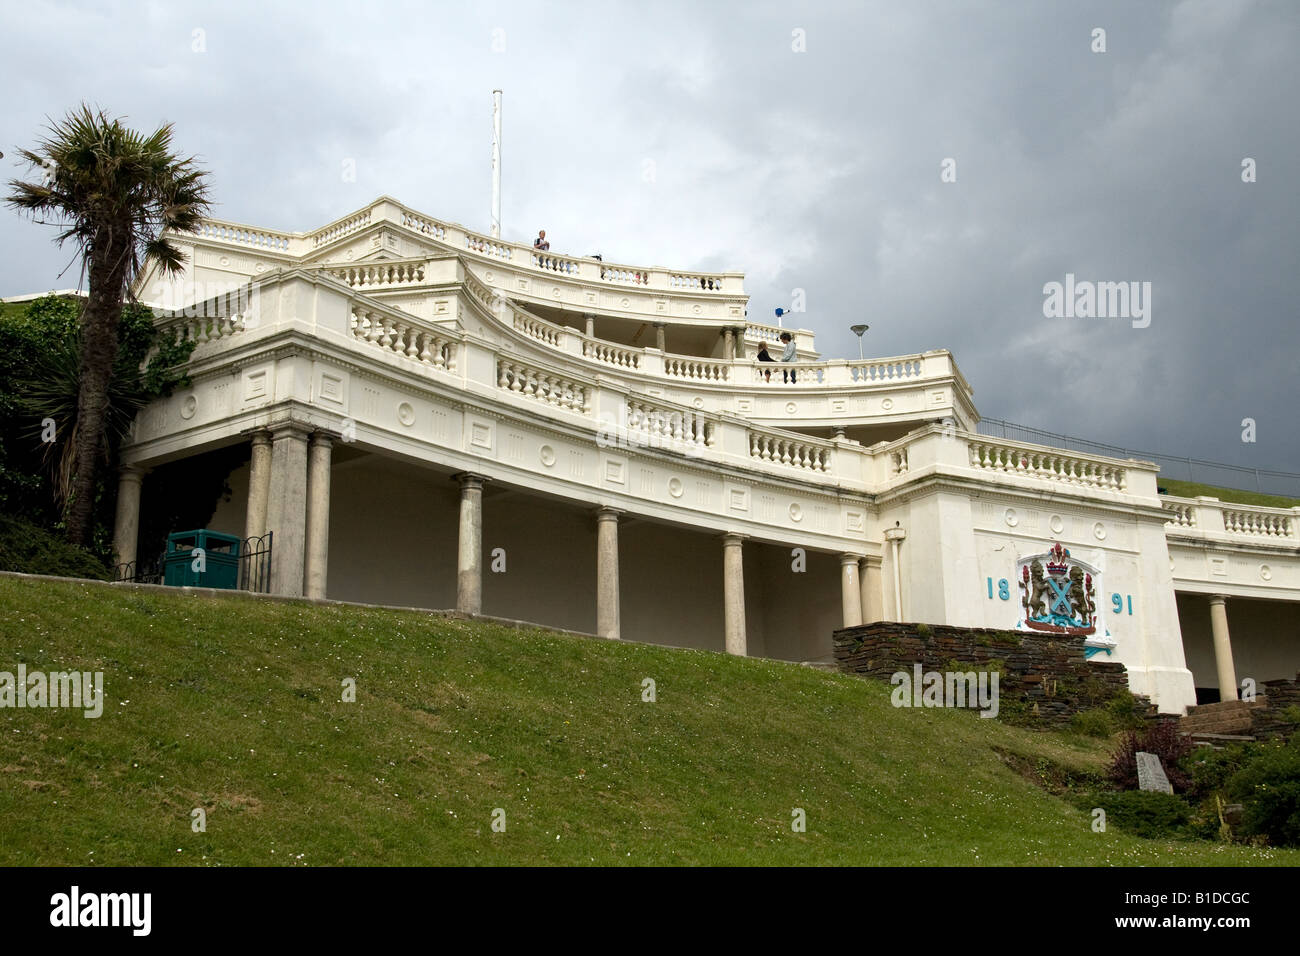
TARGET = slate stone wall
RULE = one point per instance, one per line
(1043, 677)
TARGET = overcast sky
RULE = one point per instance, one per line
(800, 143)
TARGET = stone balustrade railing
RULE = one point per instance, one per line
(808, 454)
(656, 424)
(535, 328)
(528, 381)
(402, 335)
(551, 263)
(204, 328)
(250, 236)
(1258, 521)
(337, 230)
(696, 369)
(607, 353)
(1031, 461)
(381, 273)
(518, 255)
(430, 227)
(1212, 516)
(1181, 512)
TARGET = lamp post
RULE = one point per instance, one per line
(858, 330)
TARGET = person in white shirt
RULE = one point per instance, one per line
(788, 356)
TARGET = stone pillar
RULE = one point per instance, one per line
(591, 325)
(850, 590)
(660, 337)
(1223, 648)
(895, 537)
(259, 485)
(469, 554)
(318, 515)
(126, 527)
(728, 344)
(286, 512)
(873, 598)
(733, 593)
(607, 607)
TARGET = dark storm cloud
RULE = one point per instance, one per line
(693, 135)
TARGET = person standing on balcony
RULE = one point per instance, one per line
(788, 356)
(764, 356)
(540, 243)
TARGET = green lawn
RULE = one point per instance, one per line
(233, 705)
(1188, 489)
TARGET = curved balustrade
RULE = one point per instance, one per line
(656, 424)
(242, 235)
(544, 260)
(609, 354)
(797, 453)
(539, 329)
(625, 276)
(488, 247)
(695, 369)
(1047, 465)
(200, 329)
(430, 227)
(694, 283)
(889, 370)
(529, 382)
(426, 346)
(805, 373)
(340, 229)
(1253, 522)
(380, 274)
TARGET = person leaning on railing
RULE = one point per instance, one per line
(764, 356)
(788, 356)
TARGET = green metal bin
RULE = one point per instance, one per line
(205, 559)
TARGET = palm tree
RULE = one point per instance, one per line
(113, 192)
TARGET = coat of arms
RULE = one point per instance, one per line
(1057, 593)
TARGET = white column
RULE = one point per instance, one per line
(733, 593)
(318, 514)
(469, 554)
(1223, 648)
(591, 325)
(728, 344)
(895, 538)
(259, 485)
(286, 513)
(607, 605)
(659, 337)
(850, 590)
(873, 598)
(126, 527)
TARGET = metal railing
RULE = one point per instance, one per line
(254, 567)
(1174, 467)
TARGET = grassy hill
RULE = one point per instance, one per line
(1188, 489)
(233, 704)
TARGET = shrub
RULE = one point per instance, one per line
(1128, 712)
(1268, 786)
(1161, 739)
(1093, 723)
(30, 549)
(1148, 814)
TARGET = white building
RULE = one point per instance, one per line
(436, 418)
